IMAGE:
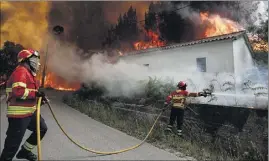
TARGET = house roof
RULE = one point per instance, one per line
(230, 36)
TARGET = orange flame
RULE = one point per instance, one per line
(216, 25)
(56, 82)
(258, 44)
(154, 41)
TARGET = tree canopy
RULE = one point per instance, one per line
(8, 57)
(126, 29)
(165, 18)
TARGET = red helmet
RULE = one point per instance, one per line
(181, 84)
(25, 54)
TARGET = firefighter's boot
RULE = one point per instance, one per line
(179, 132)
(26, 154)
(169, 128)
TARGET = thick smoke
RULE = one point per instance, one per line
(114, 8)
(85, 23)
(29, 27)
(129, 79)
(245, 13)
(242, 12)
(64, 60)
(67, 60)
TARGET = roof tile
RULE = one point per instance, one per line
(208, 39)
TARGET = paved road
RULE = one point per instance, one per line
(87, 131)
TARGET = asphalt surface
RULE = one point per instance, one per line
(90, 133)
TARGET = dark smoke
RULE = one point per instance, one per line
(87, 23)
(188, 16)
(84, 22)
(239, 11)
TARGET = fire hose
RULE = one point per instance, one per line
(79, 145)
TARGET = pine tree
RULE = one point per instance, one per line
(126, 29)
(150, 18)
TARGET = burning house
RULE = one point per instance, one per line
(228, 53)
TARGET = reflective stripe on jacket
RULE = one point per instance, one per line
(178, 98)
(21, 88)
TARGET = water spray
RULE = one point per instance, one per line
(234, 95)
(210, 92)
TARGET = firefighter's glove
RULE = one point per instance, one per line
(202, 94)
(40, 94)
(43, 96)
(44, 100)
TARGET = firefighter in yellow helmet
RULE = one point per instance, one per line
(22, 90)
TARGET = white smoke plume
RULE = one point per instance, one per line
(129, 79)
(64, 60)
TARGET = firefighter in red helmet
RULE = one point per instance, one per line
(178, 99)
(22, 91)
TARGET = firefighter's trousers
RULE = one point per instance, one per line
(15, 133)
(177, 114)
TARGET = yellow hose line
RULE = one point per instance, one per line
(38, 128)
(103, 152)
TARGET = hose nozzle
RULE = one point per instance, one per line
(207, 92)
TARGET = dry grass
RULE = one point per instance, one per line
(228, 144)
(217, 133)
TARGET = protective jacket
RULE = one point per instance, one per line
(178, 98)
(21, 90)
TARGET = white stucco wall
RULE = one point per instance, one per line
(225, 56)
(219, 57)
(242, 58)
